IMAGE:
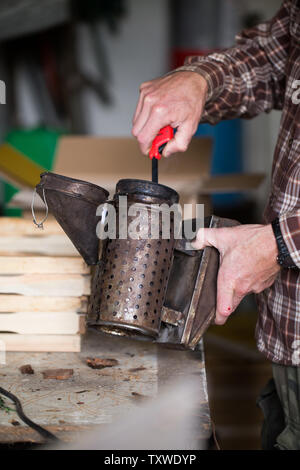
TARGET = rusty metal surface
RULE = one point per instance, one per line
(73, 203)
(203, 302)
(147, 191)
(178, 309)
(172, 317)
(94, 397)
(192, 290)
(131, 286)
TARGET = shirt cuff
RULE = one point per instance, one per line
(290, 229)
(211, 72)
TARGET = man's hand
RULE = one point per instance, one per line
(176, 100)
(247, 262)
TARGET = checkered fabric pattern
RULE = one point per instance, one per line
(260, 73)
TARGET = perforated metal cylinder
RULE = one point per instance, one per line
(129, 289)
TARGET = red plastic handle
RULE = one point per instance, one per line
(163, 137)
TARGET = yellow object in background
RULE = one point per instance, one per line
(18, 168)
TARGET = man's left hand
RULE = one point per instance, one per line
(247, 262)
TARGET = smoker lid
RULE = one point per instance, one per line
(147, 188)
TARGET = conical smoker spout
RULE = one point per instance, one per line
(73, 203)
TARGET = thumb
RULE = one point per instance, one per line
(228, 297)
(225, 299)
(205, 237)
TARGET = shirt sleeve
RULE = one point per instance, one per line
(248, 78)
(290, 230)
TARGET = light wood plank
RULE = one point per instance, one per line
(42, 265)
(52, 245)
(40, 343)
(18, 226)
(18, 303)
(58, 285)
(41, 323)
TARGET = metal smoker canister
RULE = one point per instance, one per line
(129, 288)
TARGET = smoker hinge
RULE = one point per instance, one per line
(172, 317)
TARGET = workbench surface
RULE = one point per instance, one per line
(94, 397)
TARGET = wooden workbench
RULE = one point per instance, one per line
(94, 397)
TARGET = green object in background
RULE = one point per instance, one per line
(9, 192)
(39, 145)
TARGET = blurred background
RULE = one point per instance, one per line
(74, 67)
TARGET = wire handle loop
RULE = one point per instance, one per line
(39, 224)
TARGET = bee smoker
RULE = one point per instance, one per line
(145, 287)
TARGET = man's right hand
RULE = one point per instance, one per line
(176, 100)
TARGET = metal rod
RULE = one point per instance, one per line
(154, 170)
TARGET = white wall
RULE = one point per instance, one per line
(138, 53)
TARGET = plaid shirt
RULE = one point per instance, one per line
(261, 73)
